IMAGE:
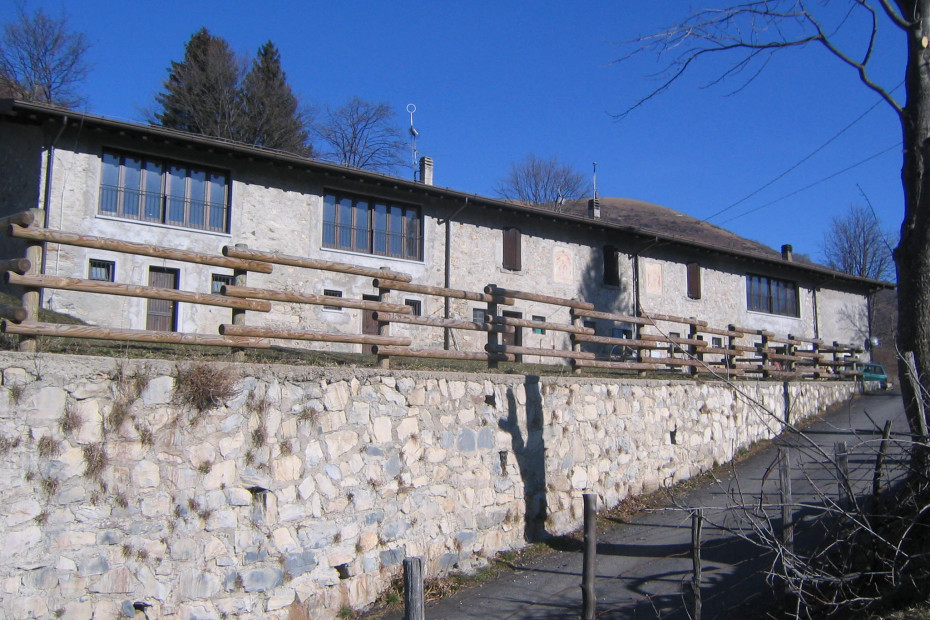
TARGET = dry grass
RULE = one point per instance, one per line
(205, 386)
(70, 420)
(48, 447)
(95, 460)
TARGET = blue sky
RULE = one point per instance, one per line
(496, 81)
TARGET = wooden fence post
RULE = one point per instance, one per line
(879, 465)
(589, 567)
(384, 361)
(238, 315)
(842, 472)
(493, 338)
(697, 525)
(413, 589)
(693, 350)
(787, 516)
(30, 296)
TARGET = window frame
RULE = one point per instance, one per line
(540, 319)
(151, 191)
(352, 223)
(331, 292)
(611, 275)
(221, 279)
(772, 295)
(108, 265)
(416, 306)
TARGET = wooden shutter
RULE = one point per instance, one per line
(694, 280)
(512, 251)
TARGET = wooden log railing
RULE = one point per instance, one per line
(139, 249)
(771, 355)
(309, 263)
(134, 290)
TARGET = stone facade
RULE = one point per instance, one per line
(276, 204)
(308, 486)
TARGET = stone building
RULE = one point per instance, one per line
(108, 178)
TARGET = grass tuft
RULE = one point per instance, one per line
(204, 386)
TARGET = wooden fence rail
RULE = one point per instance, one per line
(694, 347)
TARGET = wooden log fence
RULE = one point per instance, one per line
(694, 348)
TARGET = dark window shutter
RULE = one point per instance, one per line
(512, 251)
(694, 280)
(611, 266)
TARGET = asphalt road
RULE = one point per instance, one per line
(643, 566)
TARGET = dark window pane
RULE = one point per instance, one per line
(329, 220)
(345, 223)
(109, 184)
(216, 188)
(152, 198)
(132, 181)
(380, 229)
(177, 188)
(412, 239)
(198, 191)
(362, 232)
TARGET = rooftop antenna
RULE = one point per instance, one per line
(411, 108)
(595, 180)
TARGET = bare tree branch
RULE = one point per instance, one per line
(757, 29)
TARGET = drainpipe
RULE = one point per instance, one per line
(47, 193)
(447, 277)
(637, 307)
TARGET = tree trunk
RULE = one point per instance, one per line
(912, 256)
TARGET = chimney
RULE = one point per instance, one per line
(594, 208)
(426, 170)
(787, 252)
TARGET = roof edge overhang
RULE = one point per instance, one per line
(15, 108)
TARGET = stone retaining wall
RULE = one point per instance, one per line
(308, 486)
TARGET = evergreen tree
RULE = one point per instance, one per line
(201, 94)
(271, 114)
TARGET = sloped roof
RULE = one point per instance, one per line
(634, 217)
(647, 218)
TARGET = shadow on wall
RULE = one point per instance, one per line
(530, 451)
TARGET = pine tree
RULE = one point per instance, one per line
(201, 94)
(271, 115)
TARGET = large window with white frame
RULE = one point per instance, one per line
(143, 188)
(772, 295)
(372, 226)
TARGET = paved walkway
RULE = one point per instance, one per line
(643, 565)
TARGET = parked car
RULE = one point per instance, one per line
(873, 372)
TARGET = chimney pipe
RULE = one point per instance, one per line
(787, 252)
(426, 170)
(594, 207)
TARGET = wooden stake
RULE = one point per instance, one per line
(787, 516)
(697, 526)
(413, 589)
(589, 568)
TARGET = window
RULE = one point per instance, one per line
(512, 252)
(694, 281)
(478, 315)
(673, 348)
(372, 226)
(539, 330)
(332, 293)
(101, 270)
(611, 266)
(764, 294)
(621, 332)
(416, 306)
(151, 190)
(590, 325)
(716, 342)
(218, 280)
